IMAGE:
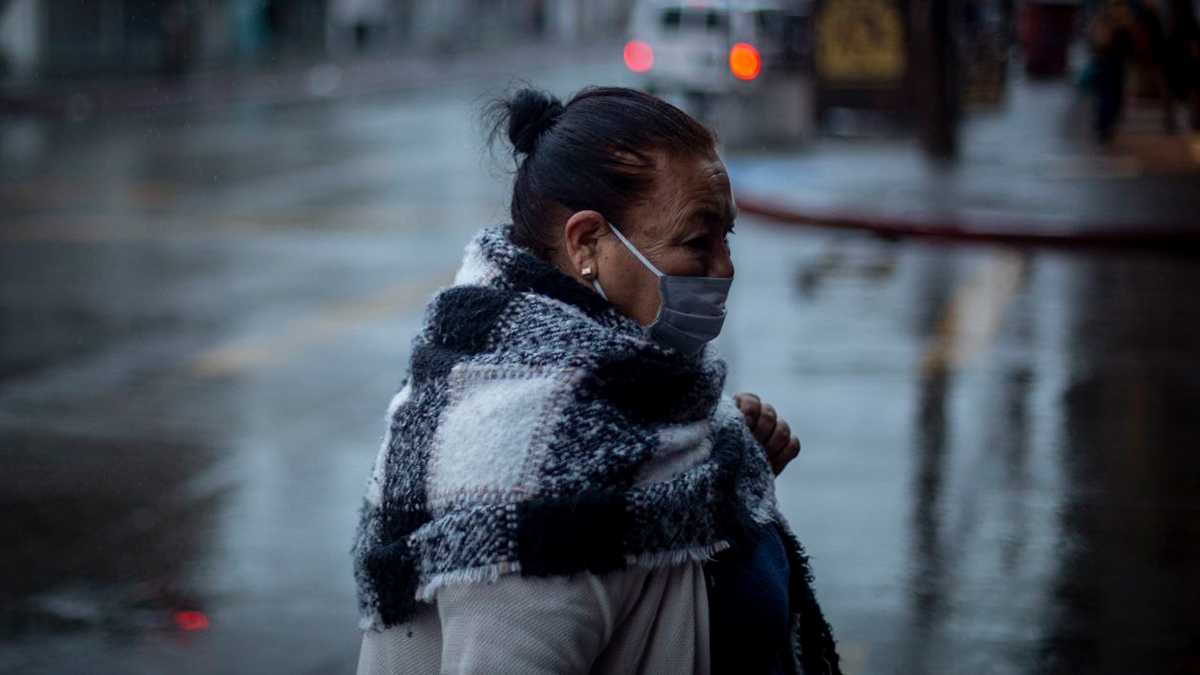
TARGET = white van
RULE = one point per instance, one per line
(715, 47)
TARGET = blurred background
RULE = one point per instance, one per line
(967, 275)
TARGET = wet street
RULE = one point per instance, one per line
(204, 313)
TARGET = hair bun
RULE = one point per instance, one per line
(530, 114)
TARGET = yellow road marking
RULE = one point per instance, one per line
(278, 346)
(974, 315)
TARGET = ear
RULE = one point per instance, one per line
(580, 237)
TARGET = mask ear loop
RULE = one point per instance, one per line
(633, 249)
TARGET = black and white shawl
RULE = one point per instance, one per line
(540, 432)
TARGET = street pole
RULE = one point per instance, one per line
(937, 76)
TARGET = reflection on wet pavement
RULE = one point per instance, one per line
(197, 343)
(1033, 508)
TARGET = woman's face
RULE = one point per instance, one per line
(683, 229)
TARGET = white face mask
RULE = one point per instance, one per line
(691, 310)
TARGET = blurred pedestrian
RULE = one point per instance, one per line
(1149, 48)
(361, 21)
(564, 487)
(1182, 63)
(1110, 36)
(274, 21)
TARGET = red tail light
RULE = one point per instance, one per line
(639, 57)
(744, 61)
(191, 620)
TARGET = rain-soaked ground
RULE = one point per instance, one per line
(204, 313)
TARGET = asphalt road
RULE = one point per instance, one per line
(204, 313)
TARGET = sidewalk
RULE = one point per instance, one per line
(1028, 173)
(288, 82)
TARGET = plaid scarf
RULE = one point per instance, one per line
(540, 432)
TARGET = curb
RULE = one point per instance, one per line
(978, 229)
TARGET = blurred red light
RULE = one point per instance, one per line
(191, 620)
(744, 61)
(639, 57)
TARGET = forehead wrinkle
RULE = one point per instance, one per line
(713, 196)
(687, 188)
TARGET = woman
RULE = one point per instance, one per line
(563, 487)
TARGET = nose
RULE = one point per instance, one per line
(721, 266)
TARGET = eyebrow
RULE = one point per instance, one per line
(707, 211)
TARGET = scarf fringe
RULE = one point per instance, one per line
(493, 573)
(699, 554)
(475, 575)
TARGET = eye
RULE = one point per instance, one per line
(699, 243)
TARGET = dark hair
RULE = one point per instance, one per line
(596, 152)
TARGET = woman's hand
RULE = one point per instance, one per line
(771, 432)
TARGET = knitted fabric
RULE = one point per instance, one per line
(539, 432)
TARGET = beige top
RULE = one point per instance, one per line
(635, 621)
